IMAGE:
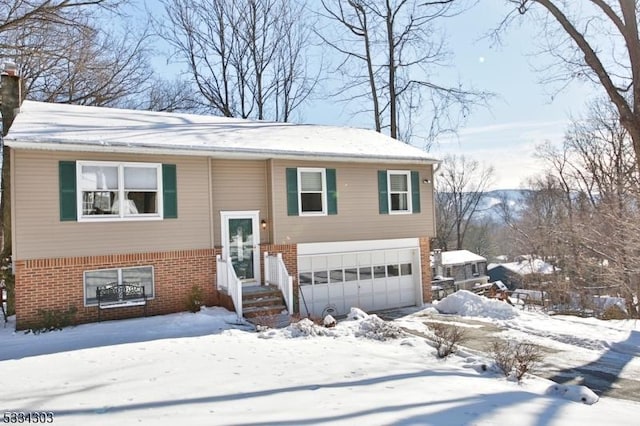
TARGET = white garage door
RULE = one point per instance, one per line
(370, 275)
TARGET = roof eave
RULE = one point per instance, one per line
(228, 153)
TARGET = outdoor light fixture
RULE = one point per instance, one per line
(263, 224)
(426, 181)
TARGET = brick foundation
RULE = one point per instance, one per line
(425, 261)
(48, 284)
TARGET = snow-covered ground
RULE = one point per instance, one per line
(204, 369)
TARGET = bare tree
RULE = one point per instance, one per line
(81, 65)
(598, 42)
(583, 215)
(385, 45)
(34, 25)
(246, 58)
(165, 95)
(459, 189)
(32, 13)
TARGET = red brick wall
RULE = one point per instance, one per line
(425, 252)
(49, 284)
(290, 259)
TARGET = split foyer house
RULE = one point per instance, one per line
(466, 268)
(335, 217)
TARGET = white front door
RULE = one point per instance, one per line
(241, 243)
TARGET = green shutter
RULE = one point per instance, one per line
(292, 192)
(170, 191)
(415, 192)
(332, 192)
(67, 185)
(383, 197)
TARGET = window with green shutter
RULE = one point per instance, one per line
(169, 191)
(67, 185)
(383, 197)
(398, 191)
(415, 192)
(108, 190)
(311, 191)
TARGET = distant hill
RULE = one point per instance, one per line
(490, 203)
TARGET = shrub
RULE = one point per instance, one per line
(446, 338)
(614, 312)
(515, 358)
(502, 354)
(195, 299)
(527, 356)
(54, 319)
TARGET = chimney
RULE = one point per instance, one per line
(10, 95)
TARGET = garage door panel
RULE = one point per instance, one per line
(365, 295)
(351, 298)
(407, 291)
(336, 298)
(393, 292)
(370, 279)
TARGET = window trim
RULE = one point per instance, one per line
(120, 165)
(323, 180)
(407, 174)
(84, 281)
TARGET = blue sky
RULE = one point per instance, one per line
(524, 113)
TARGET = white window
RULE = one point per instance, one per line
(312, 192)
(399, 184)
(119, 191)
(140, 276)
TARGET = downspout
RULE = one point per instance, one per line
(210, 185)
(436, 168)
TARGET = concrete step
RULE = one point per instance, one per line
(262, 301)
(253, 293)
(270, 321)
(263, 311)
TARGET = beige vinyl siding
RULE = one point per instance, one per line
(238, 185)
(358, 215)
(40, 233)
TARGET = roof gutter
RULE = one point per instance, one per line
(223, 153)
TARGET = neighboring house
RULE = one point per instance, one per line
(466, 268)
(526, 270)
(164, 200)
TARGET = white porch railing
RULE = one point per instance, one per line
(228, 281)
(275, 273)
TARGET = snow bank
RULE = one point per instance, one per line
(358, 324)
(573, 393)
(466, 303)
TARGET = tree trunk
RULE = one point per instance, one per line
(393, 127)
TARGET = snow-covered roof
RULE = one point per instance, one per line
(526, 267)
(82, 128)
(460, 257)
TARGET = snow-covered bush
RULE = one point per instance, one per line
(305, 327)
(374, 327)
(515, 359)
(446, 338)
(573, 393)
(329, 321)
